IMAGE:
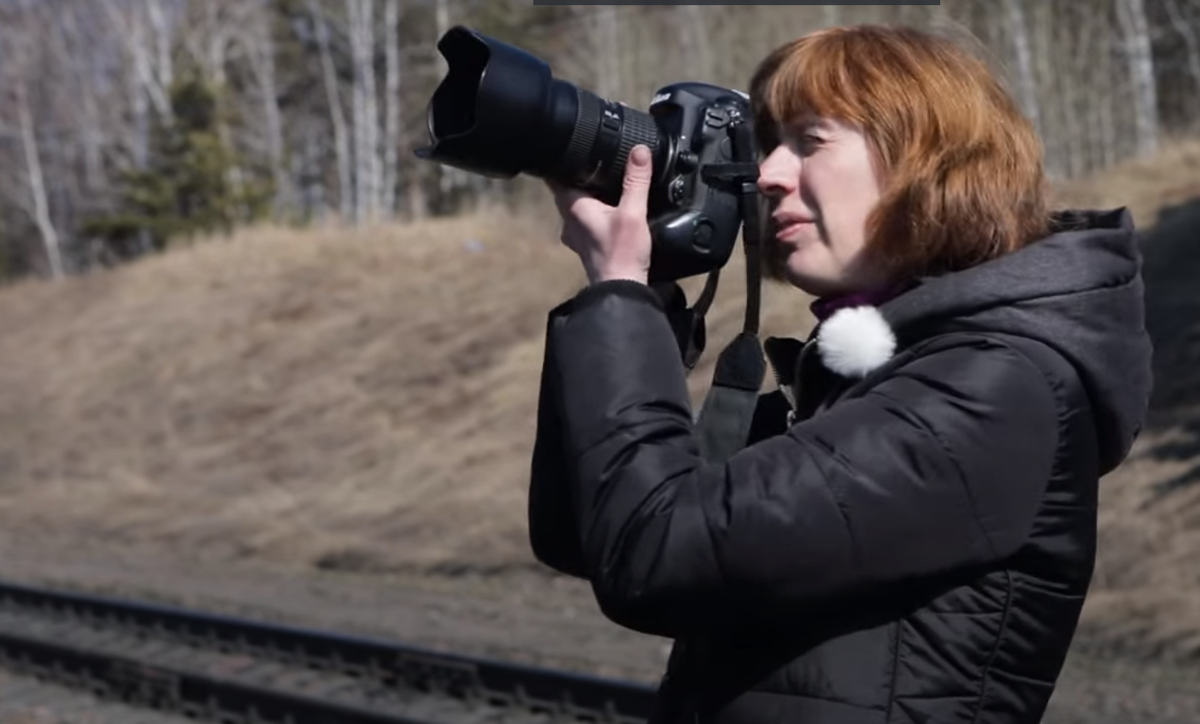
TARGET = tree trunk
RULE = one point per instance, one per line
(216, 46)
(1187, 33)
(448, 177)
(1026, 82)
(1083, 69)
(1140, 60)
(694, 42)
(133, 32)
(162, 43)
(391, 104)
(374, 165)
(75, 46)
(608, 42)
(262, 54)
(1053, 118)
(341, 140)
(366, 120)
(37, 185)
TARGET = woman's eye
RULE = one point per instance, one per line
(808, 142)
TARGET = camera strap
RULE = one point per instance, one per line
(723, 425)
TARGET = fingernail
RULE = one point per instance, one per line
(639, 156)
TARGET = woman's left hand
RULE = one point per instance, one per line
(613, 242)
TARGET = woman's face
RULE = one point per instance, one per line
(821, 182)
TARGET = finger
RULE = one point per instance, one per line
(635, 189)
(567, 199)
(570, 234)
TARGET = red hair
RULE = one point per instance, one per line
(962, 169)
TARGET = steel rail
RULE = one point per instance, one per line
(479, 681)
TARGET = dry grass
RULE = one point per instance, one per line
(352, 399)
(1145, 186)
(1146, 596)
(365, 400)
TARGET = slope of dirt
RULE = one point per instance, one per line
(364, 402)
(357, 400)
(1146, 185)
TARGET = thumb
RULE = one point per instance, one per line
(635, 190)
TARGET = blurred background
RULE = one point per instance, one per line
(255, 355)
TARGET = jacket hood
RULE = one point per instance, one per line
(1078, 290)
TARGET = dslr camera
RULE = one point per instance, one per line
(499, 111)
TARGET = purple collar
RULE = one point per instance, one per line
(825, 306)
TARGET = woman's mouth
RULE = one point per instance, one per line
(787, 228)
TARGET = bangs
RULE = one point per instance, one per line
(809, 77)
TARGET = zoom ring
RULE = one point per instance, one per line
(638, 128)
(583, 136)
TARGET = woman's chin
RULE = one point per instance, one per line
(807, 281)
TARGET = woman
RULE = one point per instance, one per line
(913, 542)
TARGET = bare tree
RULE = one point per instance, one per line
(211, 28)
(608, 52)
(261, 50)
(133, 31)
(75, 48)
(1026, 82)
(1090, 75)
(39, 205)
(1187, 33)
(337, 115)
(391, 102)
(165, 69)
(694, 41)
(361, 15)
(1140, 59)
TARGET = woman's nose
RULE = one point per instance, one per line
(776, 175)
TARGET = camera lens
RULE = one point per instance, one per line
(500, 112)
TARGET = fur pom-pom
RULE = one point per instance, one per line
(855, 340)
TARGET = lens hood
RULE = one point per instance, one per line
(499, 111)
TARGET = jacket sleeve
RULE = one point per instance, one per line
(940, 466)
(553, 529)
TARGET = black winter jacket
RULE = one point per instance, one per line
(916, 547)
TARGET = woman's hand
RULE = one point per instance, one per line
(613, 242)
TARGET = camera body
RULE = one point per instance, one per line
(499, 112)
(694, 218)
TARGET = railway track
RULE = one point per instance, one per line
(226, 669)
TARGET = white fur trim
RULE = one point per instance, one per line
(855, 340)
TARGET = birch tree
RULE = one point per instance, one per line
(337, 115)
(607, 52)
(1140, 63)
(39, 204)
(693, 35)
(1187, 33)
(449, 178)
(164, 68)
(391, 101)
(1023, 55)
(77, 50)
(1101, 81)
(212, 26)
(136, 38)
(261, 50)
(16, 39)
(361, 14)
